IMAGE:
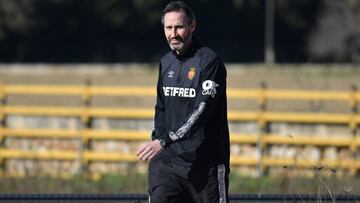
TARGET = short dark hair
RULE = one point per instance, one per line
(178, 6)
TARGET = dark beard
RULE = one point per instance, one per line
(185, 43)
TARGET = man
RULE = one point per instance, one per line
(189, 151)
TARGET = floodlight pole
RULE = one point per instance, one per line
(269, 32)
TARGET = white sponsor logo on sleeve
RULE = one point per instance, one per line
(209, 88)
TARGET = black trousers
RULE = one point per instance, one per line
(170, 183)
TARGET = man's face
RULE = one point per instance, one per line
(178, 31)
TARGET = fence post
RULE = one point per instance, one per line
(263, 128)
(2, 125)
(83, 144)
(353, 126)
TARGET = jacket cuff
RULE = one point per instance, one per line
(167, 138)
(153, 135)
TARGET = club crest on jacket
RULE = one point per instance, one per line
(191, 73)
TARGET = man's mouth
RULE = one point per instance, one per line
(175, 41)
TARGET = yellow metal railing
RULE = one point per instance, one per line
(262, 117)
(148, 113)
(233, 93)
(135, 135)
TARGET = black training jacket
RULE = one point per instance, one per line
(191, 108)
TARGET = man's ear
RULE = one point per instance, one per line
(193, 26)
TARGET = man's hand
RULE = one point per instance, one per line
(149, 150)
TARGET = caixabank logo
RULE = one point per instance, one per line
(209, 88)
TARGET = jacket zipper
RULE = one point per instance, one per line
(181, 67)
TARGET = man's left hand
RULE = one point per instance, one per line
(149, 150)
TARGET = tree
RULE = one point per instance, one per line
(15, 16)
(337, 36)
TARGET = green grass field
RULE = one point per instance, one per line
(137, 183)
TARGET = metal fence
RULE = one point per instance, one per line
(262, 117)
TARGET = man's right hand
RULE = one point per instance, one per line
(147, 151)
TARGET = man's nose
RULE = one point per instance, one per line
(173, 32)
